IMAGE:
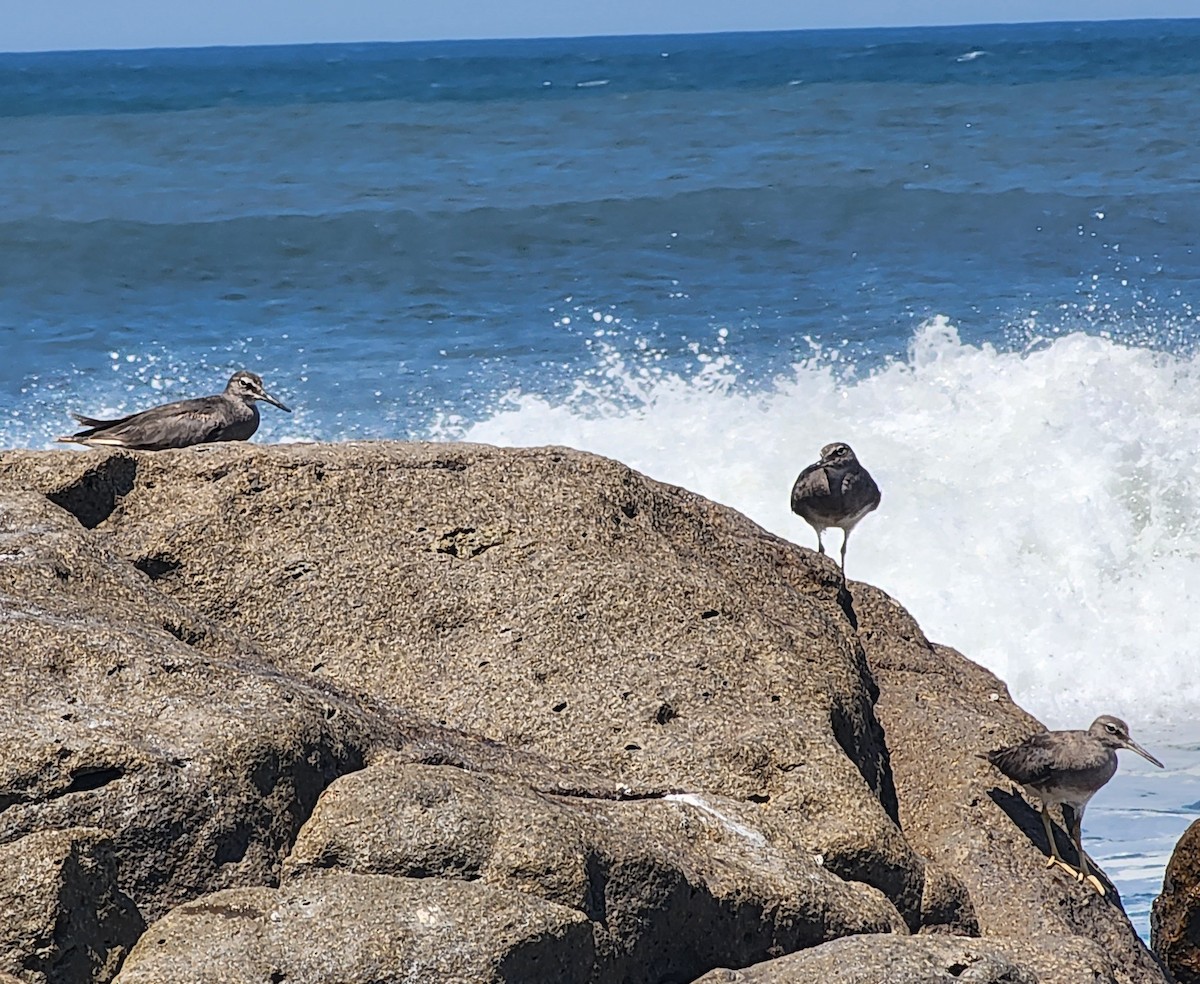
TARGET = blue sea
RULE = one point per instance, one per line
(970, 252)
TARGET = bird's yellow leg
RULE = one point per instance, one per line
(1084, 874)
(1055, 858)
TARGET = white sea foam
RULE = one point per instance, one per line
(1039, 509)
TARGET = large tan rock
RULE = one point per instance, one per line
(670, 886)
(202, 767)
(364, 929)
(932, 960)
(547, 599)
(612, 710)
(1175, 917)
(191, 758)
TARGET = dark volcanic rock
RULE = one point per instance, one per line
(639, 728)
(1175, 918)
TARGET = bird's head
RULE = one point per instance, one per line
(837, 454)
(248, 386)
(1114, 733)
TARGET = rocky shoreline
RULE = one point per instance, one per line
(399, 712)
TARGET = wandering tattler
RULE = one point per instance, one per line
(835, 491)
(1067, 768)
(228, 416)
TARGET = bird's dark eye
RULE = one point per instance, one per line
(1110, 729)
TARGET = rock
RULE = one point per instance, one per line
(202, 766)
(930, 960)
(670, 886)
(62, 916)
(364, 928)
(469, 585)
(122, 710)
(642, 729)
(1175, 917)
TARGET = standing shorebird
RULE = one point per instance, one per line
(836, 491)
(228, 416)
(1067, 768)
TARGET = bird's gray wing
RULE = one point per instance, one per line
(858, 485)
(174, 425)
(95, 422)
(1035, 759)
(811, 484)
(92, 426)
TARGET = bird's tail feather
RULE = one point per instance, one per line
(94, 422)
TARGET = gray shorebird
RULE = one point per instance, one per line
(228, 416)
(835, 491)
(1067, 768)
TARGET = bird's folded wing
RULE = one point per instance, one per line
(1032, 761)
(859, 483)
(173, 425)
(97, 422)
(813, 483)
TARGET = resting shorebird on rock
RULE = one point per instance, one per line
(228, 416)
(1067, 768)
(836, 491)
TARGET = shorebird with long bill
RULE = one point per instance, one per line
(228, 416)
(1067, 768)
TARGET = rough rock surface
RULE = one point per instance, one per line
(62, 916)
(931, 960)
(667, 883)
(1175, 918)
(641, 727)
(201, 765)
(336, 927)
(939, 710)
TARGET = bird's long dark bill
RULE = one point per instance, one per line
(1134, 746)
(276, 403)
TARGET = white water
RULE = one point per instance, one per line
(1039, 509)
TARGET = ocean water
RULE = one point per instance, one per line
(970, 252)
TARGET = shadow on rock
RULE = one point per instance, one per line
(1028, 821)
(845, 601)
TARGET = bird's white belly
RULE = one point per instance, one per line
(851, 521)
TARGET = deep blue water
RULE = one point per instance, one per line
(971, 251)
(433, 206)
